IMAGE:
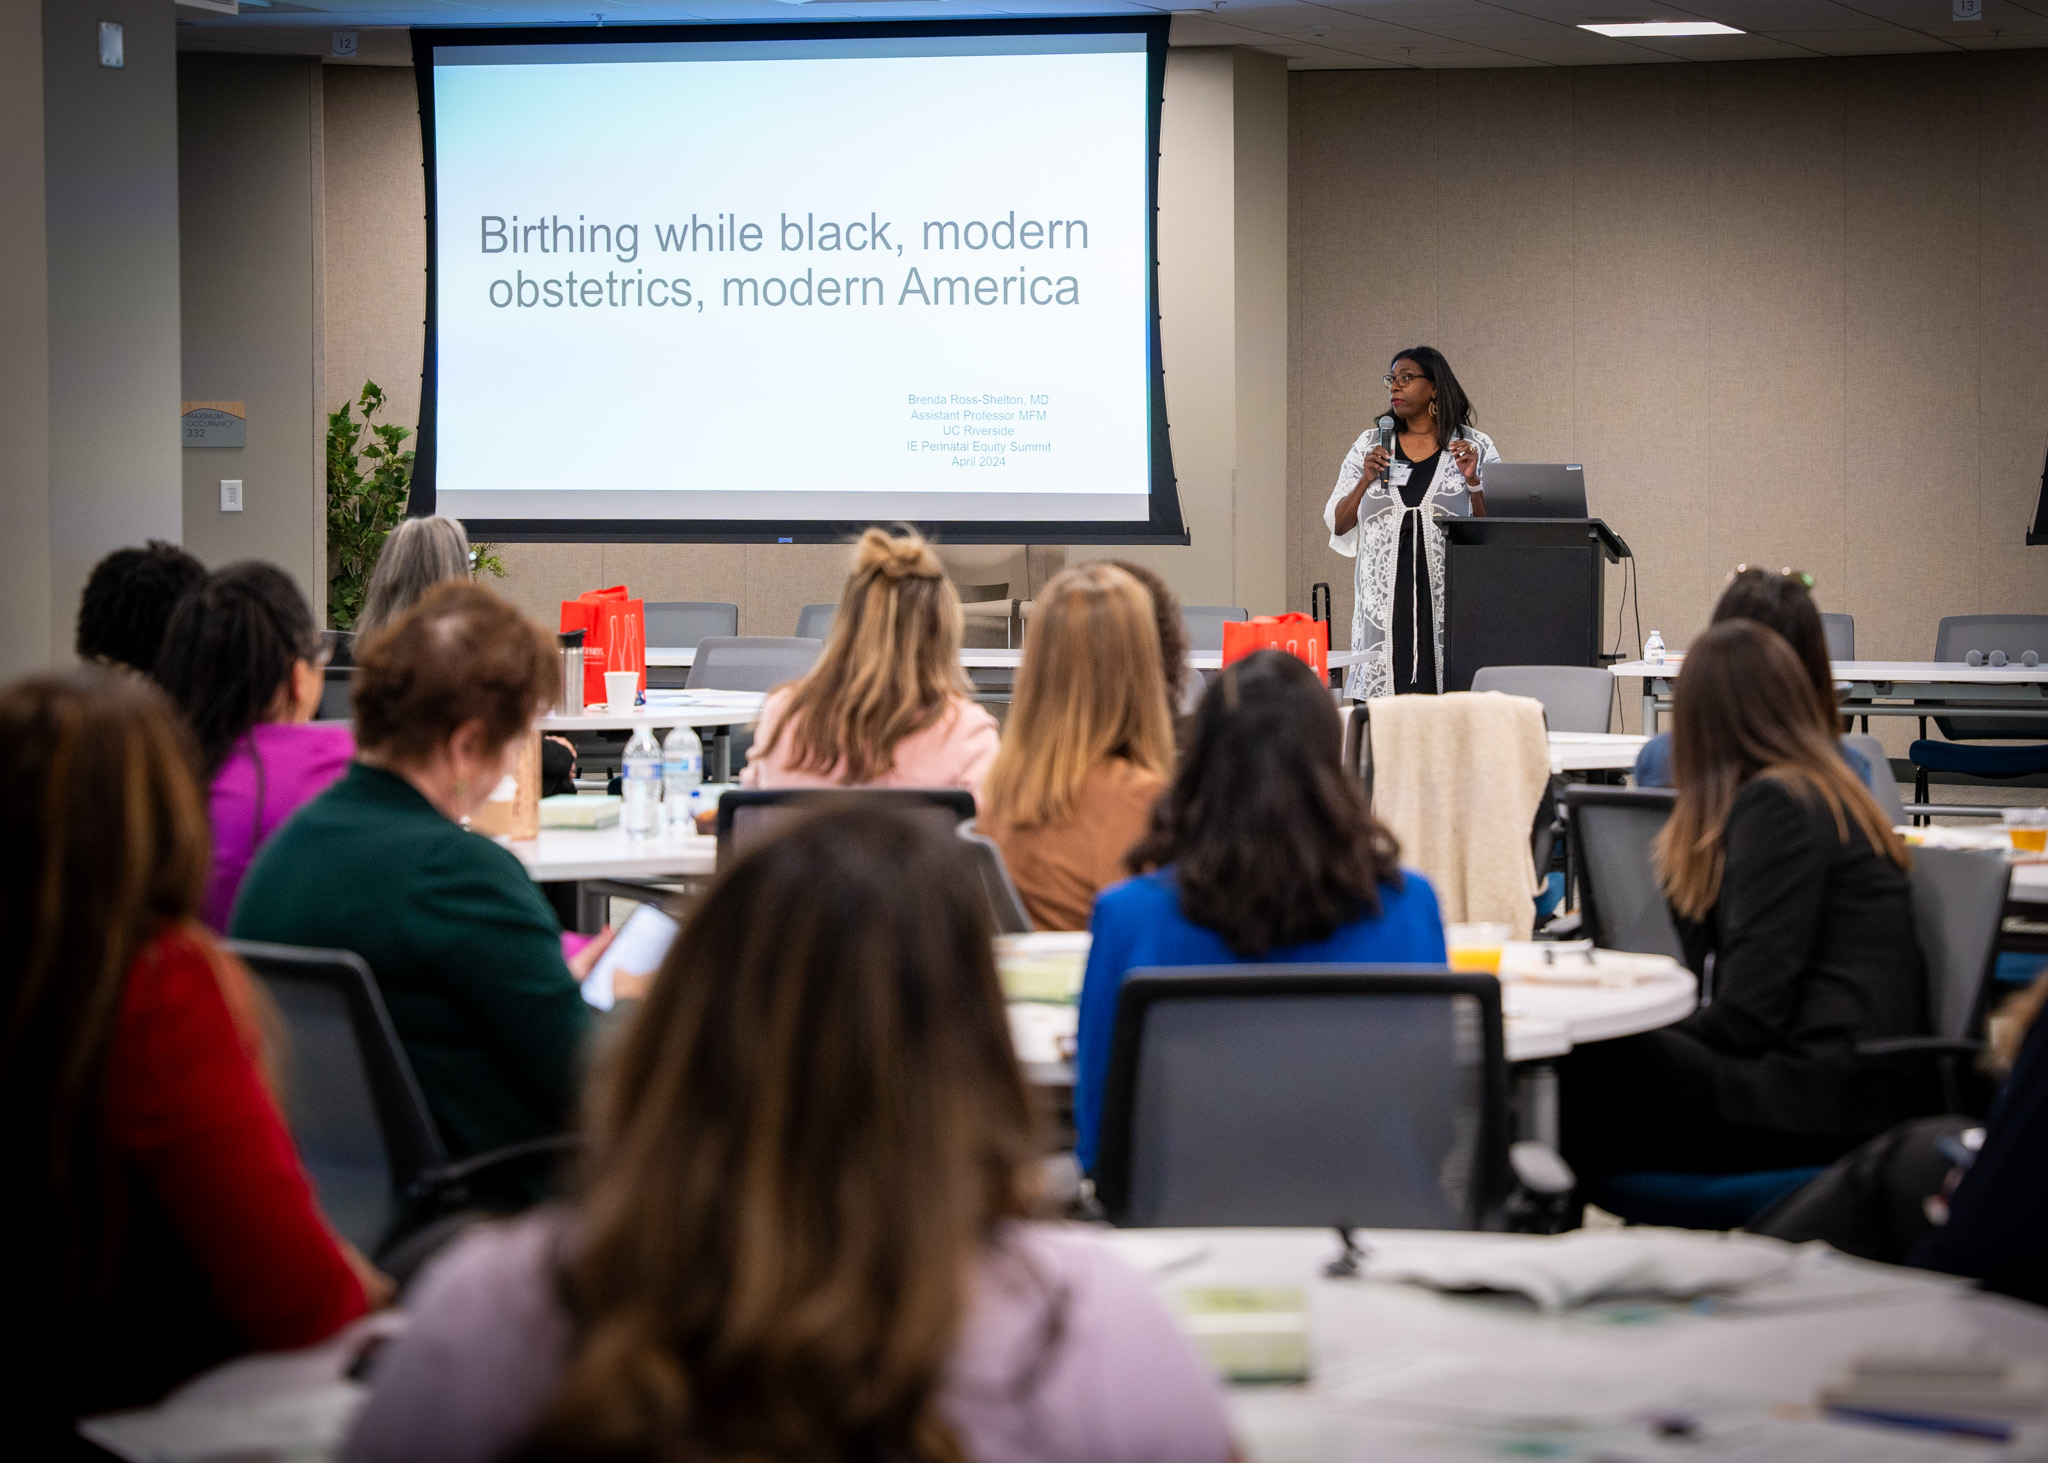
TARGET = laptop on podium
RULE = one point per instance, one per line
(1534, 489)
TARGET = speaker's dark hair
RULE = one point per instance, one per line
(1454, 411)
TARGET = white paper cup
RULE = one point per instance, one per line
(621, 689)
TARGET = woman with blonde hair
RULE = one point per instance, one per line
(417, 555)
(1089, 745)
(1781, 870)
(887, 704)
(802, 1232)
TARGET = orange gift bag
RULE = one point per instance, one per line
(1305, 639)
(614, 627)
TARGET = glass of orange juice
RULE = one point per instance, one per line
(2027, 828)
(1476, 947)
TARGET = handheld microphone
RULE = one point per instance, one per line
(1386, 426)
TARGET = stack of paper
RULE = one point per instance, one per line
(574, 810)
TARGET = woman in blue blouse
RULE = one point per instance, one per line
(1263, 849)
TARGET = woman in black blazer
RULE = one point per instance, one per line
(1780, 869)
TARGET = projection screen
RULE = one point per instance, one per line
(775, 283)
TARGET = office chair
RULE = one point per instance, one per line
(1575, 698)
(748, 815)
(356, 1112)
(1886, 790)
(1995, 639)
(750, 662)
(814, 622)
(680, 624)
(1840, 631)
(1006, 905)
(1621, 901)
(1204, 624)
(1316, 1095)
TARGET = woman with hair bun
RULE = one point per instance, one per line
(887, 704)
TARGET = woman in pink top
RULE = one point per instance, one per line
(887, 704)
(243, 660)
(801, 1228)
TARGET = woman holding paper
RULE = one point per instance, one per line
(1421, 460)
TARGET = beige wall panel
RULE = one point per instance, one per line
(1776, 332)
(1260, 528)
(1500, 187)
(1361, 285)
(782, 578)
(540, 576)
(2012, 304)
(376, 257)
(714, 572)
(1911, 363)
(1639, 310)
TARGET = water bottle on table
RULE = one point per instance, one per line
(682, 773)
(1653, 648)
(641, 783)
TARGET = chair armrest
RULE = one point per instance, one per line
(448, 1182)
(1920, 1046)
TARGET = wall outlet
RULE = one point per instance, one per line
(110, 44)
(231, 495)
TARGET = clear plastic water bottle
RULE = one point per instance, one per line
(641, 815)
(1653, 648)
(682, 773)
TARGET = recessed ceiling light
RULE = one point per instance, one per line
(1664, 28)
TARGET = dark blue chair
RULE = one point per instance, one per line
(1994, 639)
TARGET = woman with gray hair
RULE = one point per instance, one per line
(419, 554)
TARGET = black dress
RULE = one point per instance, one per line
(1411, 639)
(1814, 948)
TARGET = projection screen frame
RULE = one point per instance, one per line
(1165, 525)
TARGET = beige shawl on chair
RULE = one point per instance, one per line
(1458, 778)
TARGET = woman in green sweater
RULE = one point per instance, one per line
(466, 951)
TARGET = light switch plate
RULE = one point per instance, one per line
(231, 495)
(110, 43)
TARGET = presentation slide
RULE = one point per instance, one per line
(795, 281)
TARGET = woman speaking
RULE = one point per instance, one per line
(1383, 514)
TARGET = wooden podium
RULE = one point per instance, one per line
(1524, 591)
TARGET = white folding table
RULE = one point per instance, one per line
(1891, 688)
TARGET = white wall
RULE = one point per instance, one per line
(111, 195)
(25, 607)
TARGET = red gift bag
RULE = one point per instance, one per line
(614, 627)
(1305, 639)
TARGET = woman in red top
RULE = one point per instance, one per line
(157, 1218)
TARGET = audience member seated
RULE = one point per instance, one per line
(803, 1233)
(1998, 1214)
(466, 952)
(128, 601)
(243, 661)
(887, 704)
(417, 555)
(1779, 867)
(1088, 748)
(1781, 602)
(1262, 849)
(157, 1216)
(1184, 684)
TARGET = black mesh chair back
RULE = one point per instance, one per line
(1840, 631)
(814, 622)
(2015, 636)
(353, 1105)
(746, 816)
(1005, 904)
(1305, 1095)
(1959, 899)
(1575, 697)
(1204, 624)
(751, 662)
(1612, 829)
